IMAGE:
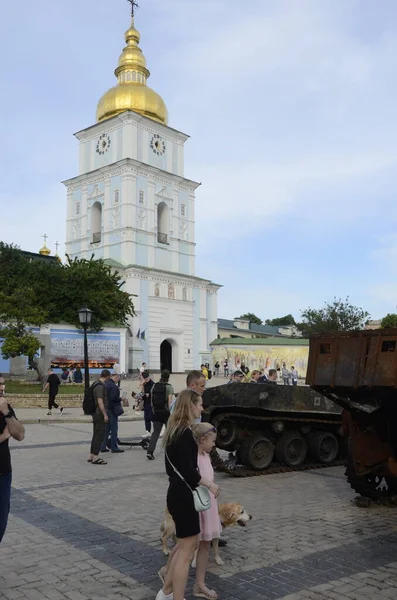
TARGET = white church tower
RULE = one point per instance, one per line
(132, 206)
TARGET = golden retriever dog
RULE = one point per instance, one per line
(230, 514)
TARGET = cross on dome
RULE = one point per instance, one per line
(134, 5)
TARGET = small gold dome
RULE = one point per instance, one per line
(131, 91)
(45, 251)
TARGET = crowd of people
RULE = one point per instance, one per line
(187, 446)
(242, 374)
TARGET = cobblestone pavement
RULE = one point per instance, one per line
(84, 532)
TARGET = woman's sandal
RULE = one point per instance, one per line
(162, 574)
(99, 461)
(204, 592)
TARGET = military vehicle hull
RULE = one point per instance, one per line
(358, 371)
(268, 424)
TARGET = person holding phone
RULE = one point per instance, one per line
(10, 427)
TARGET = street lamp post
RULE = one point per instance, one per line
(85, 315)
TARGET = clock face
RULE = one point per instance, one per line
(103, 143)
(157, 145)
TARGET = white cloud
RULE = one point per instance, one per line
(292, 66)
(290, 104)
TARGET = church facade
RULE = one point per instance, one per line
(132, 206)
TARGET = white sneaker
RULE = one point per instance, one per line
(48, 414)
(146, 435)
(162, 596)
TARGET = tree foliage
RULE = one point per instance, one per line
(35, 292)
(287, 321)
(338, 315)
(251, 318)
(390, 320)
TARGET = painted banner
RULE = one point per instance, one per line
(67, 348)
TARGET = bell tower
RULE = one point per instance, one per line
(132, 206)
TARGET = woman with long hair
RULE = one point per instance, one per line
(181, 452)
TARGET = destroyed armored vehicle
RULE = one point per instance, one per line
(268, 424)
(358, 371)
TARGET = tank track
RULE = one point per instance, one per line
(231, 468)
(370, 486)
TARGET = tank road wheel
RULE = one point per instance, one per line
(373, 486)
(291, 449)
(324, 446)
(226, 434)
(257, 452)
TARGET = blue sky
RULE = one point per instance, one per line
(291, 108)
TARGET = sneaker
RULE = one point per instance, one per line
(61, 411)
(117, 451)
(48, 414)
(162, 596)
(105, 450)
(146, 435)
(150, 456)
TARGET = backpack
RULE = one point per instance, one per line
(159, 396)
(89, 404)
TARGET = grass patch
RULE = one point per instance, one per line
(14, 387)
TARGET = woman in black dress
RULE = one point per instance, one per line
(181, 448)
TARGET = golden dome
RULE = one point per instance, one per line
(44, 250)
(131, 91)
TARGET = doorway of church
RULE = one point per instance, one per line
(166, 356)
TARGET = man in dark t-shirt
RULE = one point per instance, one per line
(52, 385)
(9, 427)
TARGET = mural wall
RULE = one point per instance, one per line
(67, 348)
(263, 357)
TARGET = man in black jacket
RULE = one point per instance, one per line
(114, 410)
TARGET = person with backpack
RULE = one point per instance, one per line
(95, 404)
(114, 411)
(162, 394)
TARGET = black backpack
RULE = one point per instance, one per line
(89, 405)
(159, 396)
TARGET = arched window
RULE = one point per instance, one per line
(171, 291)
(163, 223)
(96, 222)
(157, 290)
(184, 294)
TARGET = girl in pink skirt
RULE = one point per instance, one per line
(210, 526)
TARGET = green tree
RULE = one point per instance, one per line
(287, 321)
(18, 311)
(390, 320)
(338, 315)
(35, 292)
(252, 318)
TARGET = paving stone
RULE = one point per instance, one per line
(80, 533)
